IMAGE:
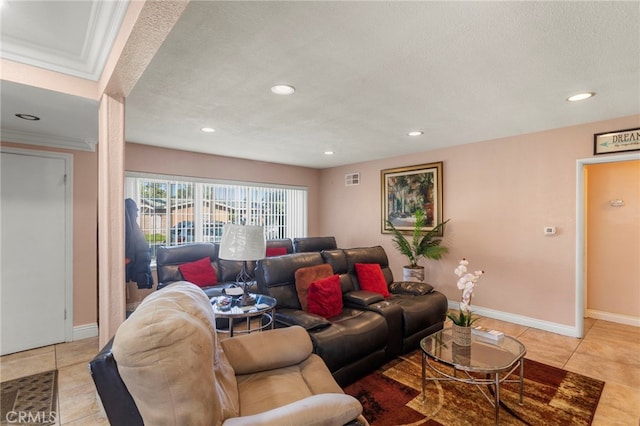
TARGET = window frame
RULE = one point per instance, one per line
(296, 226)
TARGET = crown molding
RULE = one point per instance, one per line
(40, 139)
(103, 24)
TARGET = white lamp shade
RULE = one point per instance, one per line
(242, 242)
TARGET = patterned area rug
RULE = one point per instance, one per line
(552, 396)
(30, 400)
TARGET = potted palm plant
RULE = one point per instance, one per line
(427, 246)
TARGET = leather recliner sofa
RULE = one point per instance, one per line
(371, 329)
(351, 344)
(422, 310)
(167, 366)
(169, 259)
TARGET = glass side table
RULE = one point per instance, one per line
(264, 308)
(485, 362)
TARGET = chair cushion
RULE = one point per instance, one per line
(270, 389)
(199, 272)
(286, 385)
(325, 297)
(241, 353)
(305, 276)
(371, 278)
(169, 359)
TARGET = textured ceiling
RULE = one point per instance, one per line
(366, 73)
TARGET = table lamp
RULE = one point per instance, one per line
(243, 242)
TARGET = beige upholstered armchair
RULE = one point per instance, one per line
(179, 373)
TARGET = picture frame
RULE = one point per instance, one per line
(617, 141)
(404, 189)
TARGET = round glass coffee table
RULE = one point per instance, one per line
(265, 308)
(485, 362)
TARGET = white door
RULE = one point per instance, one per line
(33, 251)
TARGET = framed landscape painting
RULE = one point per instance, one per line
(406, 189)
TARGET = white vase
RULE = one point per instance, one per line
(413, 273)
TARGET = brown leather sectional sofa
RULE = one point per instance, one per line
(170, 258)
(371, 329)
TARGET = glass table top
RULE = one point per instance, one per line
(483, 356)
(263, 303)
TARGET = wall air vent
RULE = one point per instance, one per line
(352, 179)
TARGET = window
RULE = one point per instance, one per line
(174, 211)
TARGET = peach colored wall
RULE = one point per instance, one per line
(145, 158)
(499, 195)
(85, 226)
(613, 238)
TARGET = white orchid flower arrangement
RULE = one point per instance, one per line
(466, 282)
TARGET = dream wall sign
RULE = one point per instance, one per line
(618, 141)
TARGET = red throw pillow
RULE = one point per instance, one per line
(305, 276)
(371, 278)
(276, 251)
(325, 297)
(200, 272)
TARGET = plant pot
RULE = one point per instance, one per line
(413, 273)
(461, 335)
(461, 354)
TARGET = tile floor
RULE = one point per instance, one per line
(609, 352)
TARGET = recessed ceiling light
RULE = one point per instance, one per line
(208, 130)
(283, 89)
(580, 96)
(415, 133)
(329, 153)
(28, 117)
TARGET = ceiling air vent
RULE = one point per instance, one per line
(352, 179)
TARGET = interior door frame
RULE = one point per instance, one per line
(581, 267)
(68, 243)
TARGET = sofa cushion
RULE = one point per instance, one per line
(169, 343)
(371, 278)
(168, 258)
(275, 251)
(307, 244)
(325, 297)
(410, 287)
(199, 272)
(305, 276)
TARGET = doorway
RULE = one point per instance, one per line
(36, 297)
(581, 231)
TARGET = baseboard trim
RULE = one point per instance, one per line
(565, 330)
(618, 318)
(85, 331)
